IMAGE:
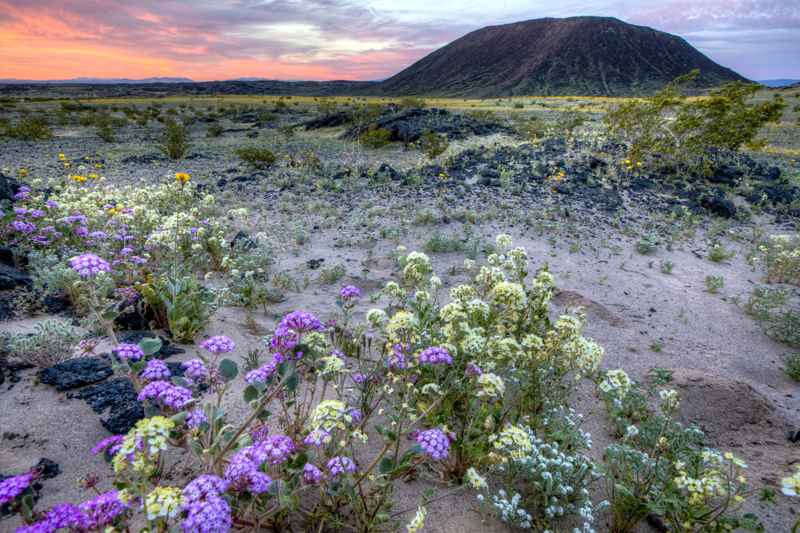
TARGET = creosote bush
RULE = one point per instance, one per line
(175, 140)
(259, 158)
(672, 130)
(375, 138)
(29, 129)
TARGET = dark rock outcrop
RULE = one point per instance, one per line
(76, 373)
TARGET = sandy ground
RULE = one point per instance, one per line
(727, 370)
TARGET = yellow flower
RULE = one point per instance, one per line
(182, 177)
(93, 176)
(62, 157)
(23, 172)
(78, 178)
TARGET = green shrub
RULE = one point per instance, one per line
(214, 130)
(714, 283)
(30, 129)
(104, 127)
(433, 145)
(180, 304)
(259, 158)
(792, 366)
(412, 102)
(376, 138)
(51, 342)
(175, 141)
(669, 129)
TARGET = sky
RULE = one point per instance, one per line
(346, 39)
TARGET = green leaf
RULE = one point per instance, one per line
(228, 369)
(292, 382)
(250, 393)
(150, 345)
(386, 465)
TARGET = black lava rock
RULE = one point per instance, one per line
(11, 278)
(726, 174)
(118, 396)
(718, 204)
(6, 256)
(56, 303)
(6, 308)
(76, 373)
(332, 120)
(8, 187)
(243, 241)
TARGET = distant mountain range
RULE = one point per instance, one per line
(581, 56)
(778, 83)
(95, 81)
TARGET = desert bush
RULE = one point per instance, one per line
(718, 253)
(432, 144)
(412, 102)
(175, 140)
(104, 126)
(51, 342)
(180, 304)
(791, 366)
(214, 131)
(781, 255)
(714, 283)
(662, 467)
(672, 130)
(30, 129)
(375, 138)
(260, 158)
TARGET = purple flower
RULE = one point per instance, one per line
(65, 515)
(156, 370)
(473, 370)
(197, 417)
(81, 231)
(341, 465)
(435, 355)
(14, 486)
(259, 433)
(274, 450)
(23, 227)
(128, 294)
(128, 352)
(359, 378)
(167, 394)
(262, 374)
(72, 219)
(51, 204)
(126, 251)
(434, 443)
(206, 509)
(195, 370)
(37, 213)
(22, 193)
(218, 344)
(109, 445)
(98, 235)
(203, 487)
(302, 322)
(311, 474)
(212, 515)
(102, 509)
(243, 473)
(397, 360)
(349, 292)
(317, 437)
(89, 265)
(356, 414)
(20, 211)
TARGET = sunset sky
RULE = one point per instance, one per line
(357, 39)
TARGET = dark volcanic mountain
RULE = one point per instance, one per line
(570, 56)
